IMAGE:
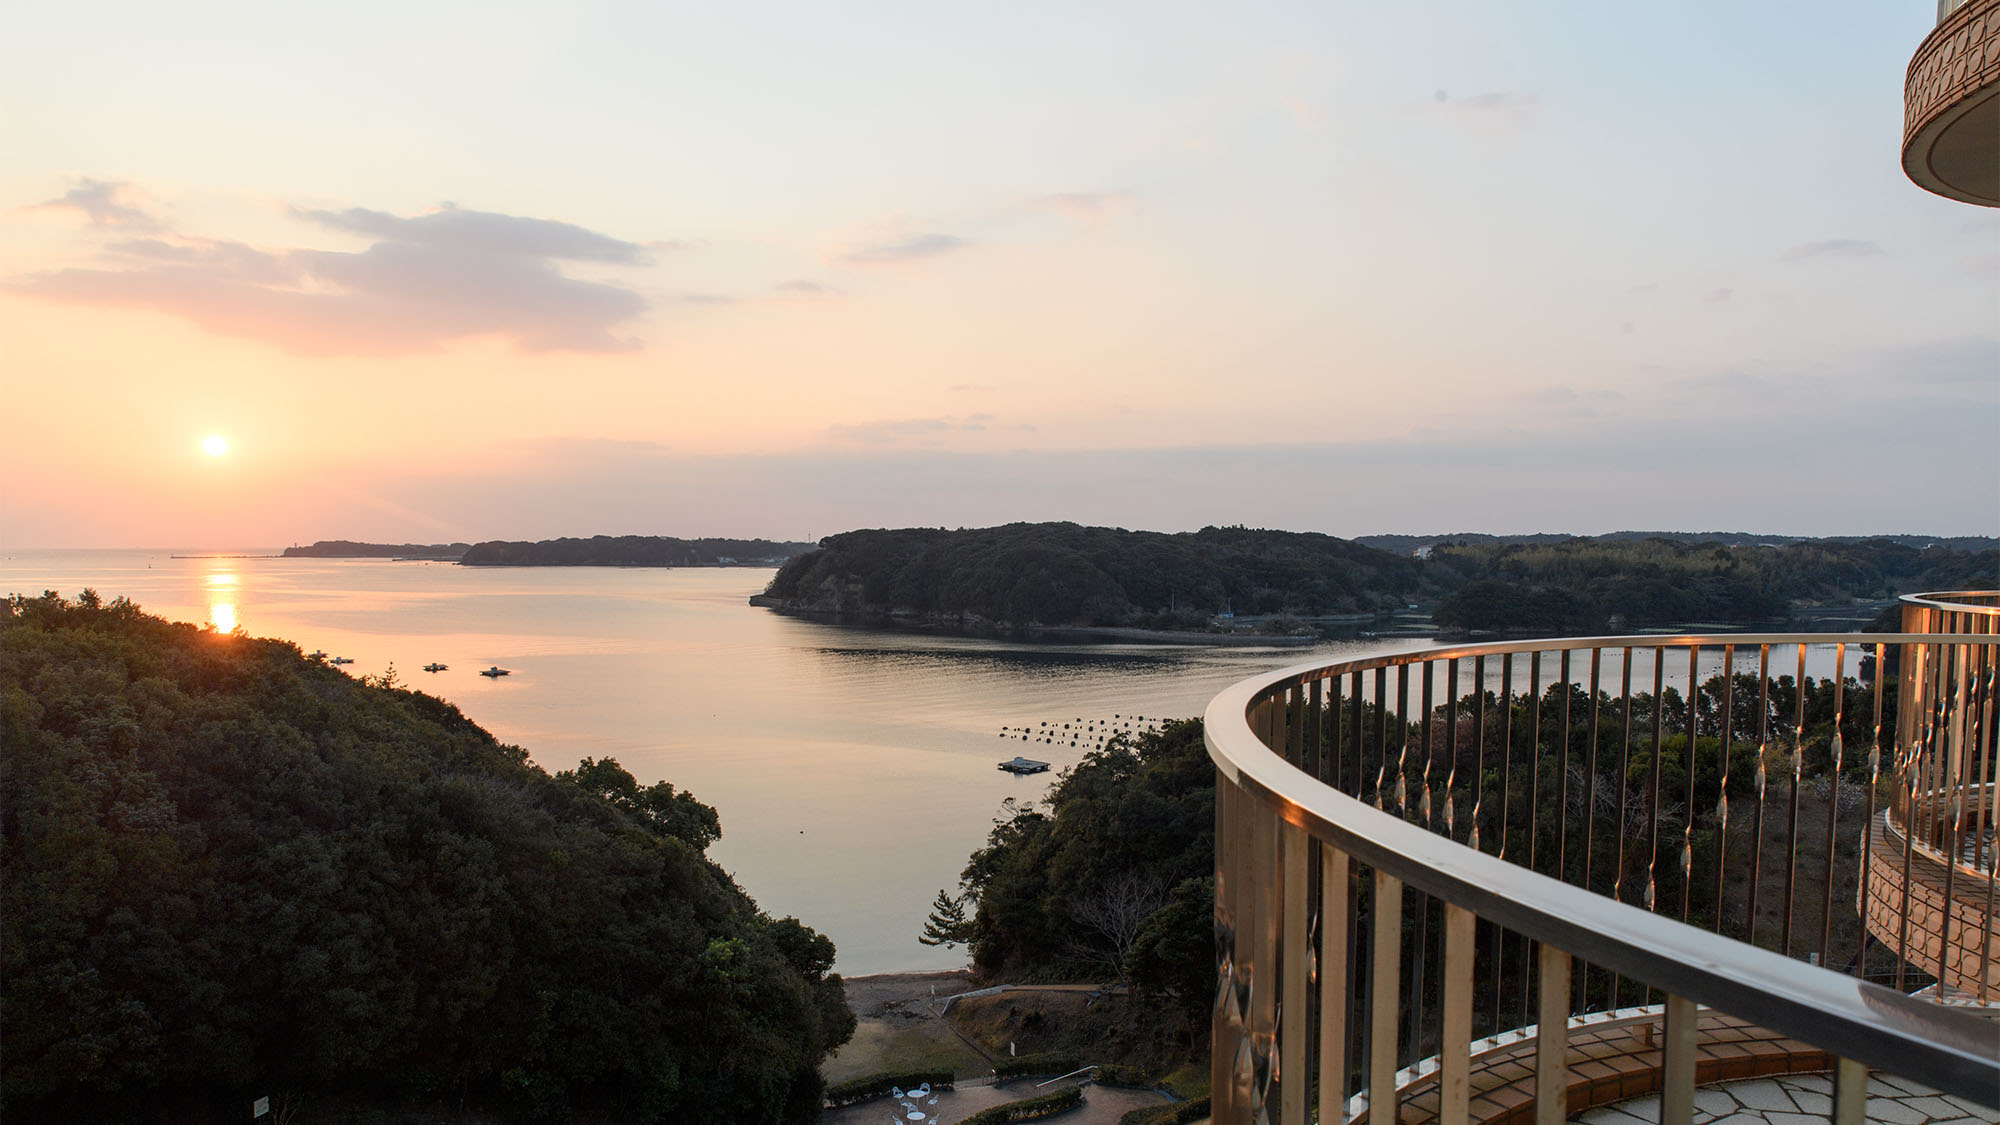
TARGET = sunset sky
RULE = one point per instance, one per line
(438, 271)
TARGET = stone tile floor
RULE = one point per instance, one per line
(1802, 1099)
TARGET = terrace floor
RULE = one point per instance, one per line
(1801, 1099)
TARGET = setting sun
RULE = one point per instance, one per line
(215, 445)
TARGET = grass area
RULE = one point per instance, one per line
(880, 1046)
(1112, 1030)
(1190, 1081)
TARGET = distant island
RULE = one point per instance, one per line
(598, 550)
(1226, 582)
(633, 550)
(348, 549)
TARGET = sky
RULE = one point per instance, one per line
(447, 271)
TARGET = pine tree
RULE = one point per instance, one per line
(947, 924)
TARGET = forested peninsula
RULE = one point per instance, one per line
(232, 872)
(1223, 580)
(633, 550)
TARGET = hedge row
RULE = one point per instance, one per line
(875, 1085)
(1048, 1105)
(1047, 1062)
(1179, 1113)
(1111, 1074)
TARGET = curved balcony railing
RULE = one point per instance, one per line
(1497, 882)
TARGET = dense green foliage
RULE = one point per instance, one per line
(875, 1085)
(1067, 574)
(1179, 1113)
(1037, 1065)
(1063, 574)
(631, 550)
(1029, 1109)
(1585, 586)
(231, 871)
(1113, 881)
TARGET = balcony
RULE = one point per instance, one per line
(1951, 105)
(1511, 882)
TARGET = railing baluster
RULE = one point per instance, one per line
(1693, 763)
(1722, 794)
(1837, 750)
(1454, 1047)
(1295, 955)
(1677, 1059)
(1757, 818)
(1334, 996)
(1265, 980)
(1850, 1083)
(1383, 994)
(1534, 799)
(1551, 1039)
(1313, 729)
(1868, 820)
(1792, 824)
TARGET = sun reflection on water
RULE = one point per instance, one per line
(222, 615)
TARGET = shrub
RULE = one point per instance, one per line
(1046, 1062)
(875, 1085)
(1179, 1113)
(1029, 1109)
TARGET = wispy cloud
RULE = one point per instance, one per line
(798, 287)
(1088, 206)
(901, 249)
(1833, 248)
(1492, 104)
(421, 282)
(902, 431)
(968, 387)
(108, 205)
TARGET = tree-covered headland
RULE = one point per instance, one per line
(1023, 576)
(1067, 574)
(233, 872)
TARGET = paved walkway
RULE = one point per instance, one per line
(1102, 1105)
(1802, 1099)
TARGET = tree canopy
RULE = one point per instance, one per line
(1068, 574)
(230, 870)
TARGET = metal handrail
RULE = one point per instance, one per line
(1983, 603)
(1949, 1049)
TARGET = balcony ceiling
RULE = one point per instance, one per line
(1951, 134)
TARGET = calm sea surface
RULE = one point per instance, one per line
(853, 769)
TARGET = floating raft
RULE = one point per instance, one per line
(1024, 765)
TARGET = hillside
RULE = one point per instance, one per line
(1064, 574)
(633, 550)
(1028, 576)
(231, 872)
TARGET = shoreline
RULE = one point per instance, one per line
(1072, 633)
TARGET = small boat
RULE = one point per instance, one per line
(494, 672)
(316, 654)
(342, 660)
(1020, 765)
(435, 667)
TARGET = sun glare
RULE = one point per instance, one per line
(215, 445)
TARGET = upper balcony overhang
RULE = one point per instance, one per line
(1951, 106)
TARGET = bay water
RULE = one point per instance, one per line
(853, 769)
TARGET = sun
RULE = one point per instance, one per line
(215, 445)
